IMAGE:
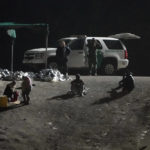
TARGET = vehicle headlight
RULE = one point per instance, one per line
(39, 55)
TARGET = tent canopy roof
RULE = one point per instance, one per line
(12, 25)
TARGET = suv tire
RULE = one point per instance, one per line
(108, 68)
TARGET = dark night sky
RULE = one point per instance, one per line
(67, 17)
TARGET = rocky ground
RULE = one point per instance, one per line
(97, 121)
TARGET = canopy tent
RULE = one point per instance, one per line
(125, 36)
(11, 26)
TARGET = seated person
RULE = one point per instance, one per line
(10, 92)
(77, 86)
(127, 83)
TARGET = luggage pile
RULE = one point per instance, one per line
(43, 75)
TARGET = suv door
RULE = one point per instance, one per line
(76, 57)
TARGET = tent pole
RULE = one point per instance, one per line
(47, 34)
(12, 55)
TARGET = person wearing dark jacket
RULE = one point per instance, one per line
(10, 92)
(127, 83)
(26, 87)
(77, 86)
(92, 52)
(62, 53)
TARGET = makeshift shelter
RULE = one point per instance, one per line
(11, 27)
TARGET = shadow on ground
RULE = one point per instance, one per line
(113, 96)
(12, 107)
(61, 97)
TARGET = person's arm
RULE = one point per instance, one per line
(57, 53)
(5, 91)
(121, 82)
(68, 50)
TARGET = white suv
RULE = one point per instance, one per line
(114, 52)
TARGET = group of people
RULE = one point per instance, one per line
(94, 56)
(77, 87)
(93, 53)
(126, 85)
(12, 94)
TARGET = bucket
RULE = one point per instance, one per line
(3, 101)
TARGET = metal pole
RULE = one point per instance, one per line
(12, 55)
(47, 34)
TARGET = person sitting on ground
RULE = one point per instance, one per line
(10, 92)
(127, 83)
(77, 86)
(26, 89)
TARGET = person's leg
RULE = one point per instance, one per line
(93, 68)
(81, 90)
(94, 65)
(60, 67)
(118, 87)
(27, 96)
(65, 69)
(90, 66)
(15, 96)
(24, 97)
(28, 99)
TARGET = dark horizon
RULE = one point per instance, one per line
(93, 18)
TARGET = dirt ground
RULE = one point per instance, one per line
(97, 121)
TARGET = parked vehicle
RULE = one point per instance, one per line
(115, 56)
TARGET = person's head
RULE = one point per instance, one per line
(62, 44)
(127, 72)
(77, 76)
(13, 83)
(93, 39)
(24, 78)
(93, 42)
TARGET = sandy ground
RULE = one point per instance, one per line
(54, 121)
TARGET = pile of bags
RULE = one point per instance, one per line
(43, 75)
(49, 75)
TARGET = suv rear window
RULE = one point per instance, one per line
(113, 44)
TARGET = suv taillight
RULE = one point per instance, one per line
(126, 54)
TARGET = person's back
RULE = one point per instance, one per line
(26, 89)
(92, 48)
(92, 56)
(77, 83)
(10, 91)
(129, 83)
(26, 84)
(77, 86)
